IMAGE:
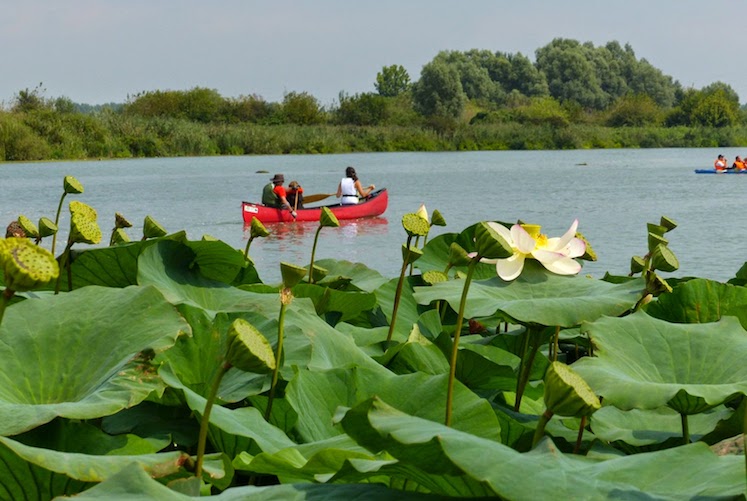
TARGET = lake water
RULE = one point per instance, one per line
(613, 193)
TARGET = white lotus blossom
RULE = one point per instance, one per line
(555, 254)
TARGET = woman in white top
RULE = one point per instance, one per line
(350, 188)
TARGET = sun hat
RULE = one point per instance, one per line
(278, 178)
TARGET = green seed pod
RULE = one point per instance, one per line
(72, 185)
(637, 264)
(152, 228)
(292, 274)
(84, 229)
(567, 394)
(656, 229)
(258, 229)
(248, 349)
(120, 221)
(589, 254)
(434, 276)
(29, 228)
(327, 219)
(437, 219)
(413, 255)
(490, 244)
(119, 237)
(654, 240)
(318, 273)
(26, 265)
(669, 224)
(83, 210)
(414, 225)
(664, 259)
(458, 256)
(47, 227)
(658, 285)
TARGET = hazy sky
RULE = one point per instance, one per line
(99, 51)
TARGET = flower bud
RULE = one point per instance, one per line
(490, 244)
(26, 265)
(422, 212)
(152, 228)
(567, 394)
(72, 185)
(415, 225)
(248, 349)
(258, 229)
(327, 219)
(29, 228)
(292, 274)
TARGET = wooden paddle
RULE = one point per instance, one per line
(317, 197)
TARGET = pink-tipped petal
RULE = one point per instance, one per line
(522, 240)
(502, 231)
(566, 238)
(576, 248)
(510, 268)
(563, 266)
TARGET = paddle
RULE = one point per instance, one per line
(315, 198)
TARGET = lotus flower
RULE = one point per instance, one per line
(555, 254)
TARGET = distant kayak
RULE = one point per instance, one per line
(714, 171)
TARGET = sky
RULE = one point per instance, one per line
(101, 51)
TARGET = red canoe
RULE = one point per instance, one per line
(371, 206)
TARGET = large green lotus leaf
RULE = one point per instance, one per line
(149, 419)
(418, 354)
(648, 428)
(76, 355)
(168, 265)
(234, 429)
(315, 395)
(700, 301)
(644, 363)
(344, 304)
(428, 450)
(360, 275)
(135, 484)
(436, 254)
(538, 297)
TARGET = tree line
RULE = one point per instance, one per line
(574, 95)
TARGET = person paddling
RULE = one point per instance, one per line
(295, 195)
(720, 164)
(274, 195)
(350, 187)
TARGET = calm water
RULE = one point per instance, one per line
(613, 193)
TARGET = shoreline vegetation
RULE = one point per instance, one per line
(573, 96)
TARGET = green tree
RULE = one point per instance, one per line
(634, 110)
(439, 91)
(570, 74)
(361, 109)
(30, 100)
(392, 81)
(301, 108)
(475, 79)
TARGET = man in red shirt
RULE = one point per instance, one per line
(273, 195)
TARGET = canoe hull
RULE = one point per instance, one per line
(714, 171)
(374, 205)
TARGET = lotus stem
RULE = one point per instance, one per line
(4, 300)
(455, 344)
(278, 354)
(57, 220)
(580, 436)
(204, 423)
(522, 362)
(685, 429)
(526, 367)
(540, 431)
(64, 261)
(313, 251)
(555, 344)
(246, 251)
(398, 293)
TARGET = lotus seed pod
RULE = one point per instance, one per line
(318, 273)
(327, 219)
(669, 224)
(458, 256)
(637, 264)
(414, 225)
(29, 228)
(654, 240)
(589, 254)
(14, 230)
(567, 394)
(437, 219)
(72, 185)
(411, 254)
(84, 210)
(434, 276)
(248, 349)
(490, 244)
(258, 229)
(119, 237)
(664, 259)
(422, 212)
(656, 229)
(152, 229)
(83, 229)
(26, 265)
(120, 221)
(292, 274)
(47, 227)
(532, 229)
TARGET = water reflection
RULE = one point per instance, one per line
(297, 232)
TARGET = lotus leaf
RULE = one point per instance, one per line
(644, 363)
